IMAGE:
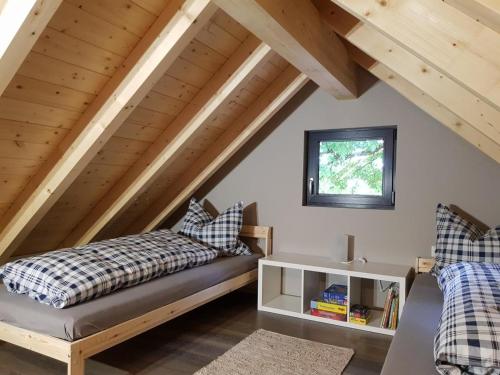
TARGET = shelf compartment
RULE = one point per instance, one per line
(316, 282)
(285, 302)
(281, 289)
(366, 292)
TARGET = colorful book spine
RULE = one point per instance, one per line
(361, 321)
(391, 308)
(335, 300)
(325, 306)
(328, 314)
(394, 322)
(387, 309)
(336, 294)
(358, 314)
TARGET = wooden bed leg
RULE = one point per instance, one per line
(76, 364)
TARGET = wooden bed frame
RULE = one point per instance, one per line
(424, 265)
(74, 353)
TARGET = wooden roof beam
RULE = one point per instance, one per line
(21, 23)
(486, 12)
(441, 36)
(157, 50)
(427, 104)
(295, 31)
(160, 154)
(446, 91)
(242, 130)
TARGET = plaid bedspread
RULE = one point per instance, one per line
(468, 337)
(69, 276)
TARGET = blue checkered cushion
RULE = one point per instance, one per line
(220, 233)
(459, 240)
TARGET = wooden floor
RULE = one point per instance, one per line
(190, 342)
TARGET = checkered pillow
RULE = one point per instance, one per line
(220, 233)
(459, 240)
(467, 338)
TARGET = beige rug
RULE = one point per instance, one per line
(269, 353)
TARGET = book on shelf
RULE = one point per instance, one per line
(359, 314)
(328, 314)
(336, 294)
(331, 307)
(362, 321)
(391, 308)
(359, 311)
(394, 314)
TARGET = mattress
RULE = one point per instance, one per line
(412, 348)
(87, 318)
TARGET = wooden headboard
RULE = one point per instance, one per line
(259, 232)
(424, 265)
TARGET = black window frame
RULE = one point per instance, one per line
(312, 138)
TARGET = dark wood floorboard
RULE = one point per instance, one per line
(186, 344)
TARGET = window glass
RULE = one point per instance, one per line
(351, 167)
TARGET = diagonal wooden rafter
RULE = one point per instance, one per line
(462, 102)
(21, 23)
(160, 154)
(486, 12)
(426, 103)
(442, 36)
(244, 127)
(165, 40)
(295, 31)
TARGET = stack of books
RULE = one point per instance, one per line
(332, 304)
(359, 314)
(391, 309)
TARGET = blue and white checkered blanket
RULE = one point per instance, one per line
(69, 276)
(468, 337)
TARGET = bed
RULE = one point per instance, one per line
(411, 350)
(79, 332)
(451, 322)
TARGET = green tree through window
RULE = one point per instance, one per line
(351, 167)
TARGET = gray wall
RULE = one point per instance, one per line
(433, 165)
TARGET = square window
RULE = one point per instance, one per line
(350, 168)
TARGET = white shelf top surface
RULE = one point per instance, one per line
(327, 264)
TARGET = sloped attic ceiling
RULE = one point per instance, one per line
(113, 112)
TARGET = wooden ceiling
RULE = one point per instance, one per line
(114, 112)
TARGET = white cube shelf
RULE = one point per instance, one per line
(288, 283)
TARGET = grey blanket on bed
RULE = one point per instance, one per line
(69, 276)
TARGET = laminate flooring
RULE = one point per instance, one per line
(185, 344)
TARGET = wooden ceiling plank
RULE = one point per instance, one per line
(63, 47)
(227, 23)
(41, 92)
(486, 12)
(162, 44)
(121, 13)
(91, 29)
(247, 125)
(294, 30)
(61, 73)
(244, 61)
(24, 39)
(442, 36)
(464, 103)
(17, 110)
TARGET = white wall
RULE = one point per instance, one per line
(433, 165)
